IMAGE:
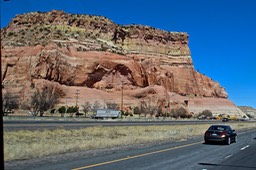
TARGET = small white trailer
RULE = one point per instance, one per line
(107, 113)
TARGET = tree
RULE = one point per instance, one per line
(86, 107)
(153, 111)
(44, 99)
(73, 109)
(112, 105)
(182, 112)
(9, 103)
(205, 114)
(62, 110)
(52, 111)
(96, 106)
(148, 108)
(179, 112)
(136, 110)
(144, 107)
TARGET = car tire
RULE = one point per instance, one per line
(206, 141)
(228, 141)
(235, 139)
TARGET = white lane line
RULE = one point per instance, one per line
(228, 156)
(245, 147)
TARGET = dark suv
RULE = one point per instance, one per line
(220, 133)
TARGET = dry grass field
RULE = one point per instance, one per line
(35, 144)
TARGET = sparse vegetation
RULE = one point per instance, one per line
(96, 105)
(62, 110)
(9, 102)
(205, 114)
(175, 112)
(180, 112)
(33, 144)
(112, 105)
(136, 110)
(72, 109)
(43, 99)
(86, 107)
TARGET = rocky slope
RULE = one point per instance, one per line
(250, 111)
(98, 58)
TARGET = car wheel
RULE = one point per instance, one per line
(206, 141)
(235, 139)
(228, 141)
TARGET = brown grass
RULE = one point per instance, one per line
(34, 144)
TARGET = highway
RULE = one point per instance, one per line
(192, 154)
(12, 125)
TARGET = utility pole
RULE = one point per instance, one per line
(77, 94)
(67, 96)
(66, 105)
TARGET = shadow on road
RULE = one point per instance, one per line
(215, 143)
(233, 166)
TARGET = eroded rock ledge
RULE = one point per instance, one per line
(98, 56)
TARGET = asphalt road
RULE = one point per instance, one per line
(12, 125)
(193, 154)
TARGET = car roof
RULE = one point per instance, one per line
(221, 125)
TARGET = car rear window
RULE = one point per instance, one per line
(221, 128)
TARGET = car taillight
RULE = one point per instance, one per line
(207, 133)
(223, 134)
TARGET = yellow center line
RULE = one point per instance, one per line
(135, 156)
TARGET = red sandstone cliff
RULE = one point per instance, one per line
(98, 57)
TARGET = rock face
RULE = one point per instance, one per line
(100, 58)
(250, 111)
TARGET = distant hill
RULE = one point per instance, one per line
(249, 111)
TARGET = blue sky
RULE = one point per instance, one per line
(222, 33)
